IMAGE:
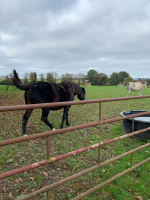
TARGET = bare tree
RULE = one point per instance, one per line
(55, 76)
(81, 78)
(26, 78)
(42, 77)
(33, 77)
(67, 77)
(51, 77)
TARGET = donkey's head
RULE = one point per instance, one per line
(144, 84)
(81, 94)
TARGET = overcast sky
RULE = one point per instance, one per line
(74, 36)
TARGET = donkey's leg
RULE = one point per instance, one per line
(67, 120)
(128, 91)
(25, 120)
(65, 116)
(127, 94)
(44, 117)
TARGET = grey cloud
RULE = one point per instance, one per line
(75, 36)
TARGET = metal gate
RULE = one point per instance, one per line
(78, 151)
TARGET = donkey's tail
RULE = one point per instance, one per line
(17, 82)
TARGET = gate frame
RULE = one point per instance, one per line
(47, 134)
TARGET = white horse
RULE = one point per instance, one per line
(131, 86)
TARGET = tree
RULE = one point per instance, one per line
(67, 77)
(42, 77)
(115, 78)
(123, 75)
(103, 79)
(148, 81)
(128, 79)
(77, 79)
(33, 77)
(6, 81)
(80, 78)
(91, 75)
(140, 79)
(51, 77)
(96, 80)
(55, 76)
(26, 78)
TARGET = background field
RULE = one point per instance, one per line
(13, 156)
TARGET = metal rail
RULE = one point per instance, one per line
(60, 157)
(110, 180)
(54, 132)
(56, 184)
(45, 105)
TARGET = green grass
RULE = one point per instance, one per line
(22, 154)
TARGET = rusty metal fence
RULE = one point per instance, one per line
(78, 151)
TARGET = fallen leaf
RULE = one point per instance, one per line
(10, 160)
(136, 194)
(138, 197)
(4, 190)
(32, 178)
(45, 173)
(10, 195)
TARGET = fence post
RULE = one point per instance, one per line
(132, 132)
(133, 125)
(100, 111)
(131, 160)
(47, 144)
(98, 162)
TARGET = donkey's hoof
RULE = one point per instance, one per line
(54, 129)
(25, 135)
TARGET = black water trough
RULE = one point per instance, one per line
(139, 123)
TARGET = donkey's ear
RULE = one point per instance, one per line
(83, 90)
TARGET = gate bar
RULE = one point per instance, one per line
(56, 184)
(54, 132)
(60, 157)
(65, 103)
(110, 180)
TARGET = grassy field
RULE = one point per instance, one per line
(135, 183)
